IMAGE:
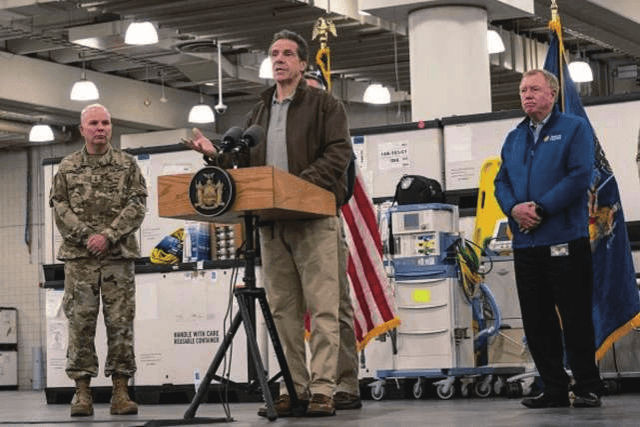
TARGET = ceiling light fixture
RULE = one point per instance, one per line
(376, 94)
(579, 69)
(580, 72)
(494, 42)
(163, 98)
(41, 133)
(266, 72)
(201, 113)
(141, 33)
(83, 89)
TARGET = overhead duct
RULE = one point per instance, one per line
(14, 127)
(18, 132)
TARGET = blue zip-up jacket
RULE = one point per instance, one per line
(555, 173)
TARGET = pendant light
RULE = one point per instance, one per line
(201, 113)
(376, 94)
(41, 133)
(141, 33)
(579, 70)
(83, 89)
(266, 72)
(494, 42)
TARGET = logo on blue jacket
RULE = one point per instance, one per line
(552, 138)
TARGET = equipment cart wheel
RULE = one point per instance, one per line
(466, 386)
(483, 388)
(499, 386)
(418, 389)
(445, 391)
(377, 391)
(514, 390)
(613, 386)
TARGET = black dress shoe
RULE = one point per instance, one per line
(544, 401)
(588, 400)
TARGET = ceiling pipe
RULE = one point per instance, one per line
(14, 127)
(60, 135)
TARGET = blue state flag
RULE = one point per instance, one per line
(616, 302)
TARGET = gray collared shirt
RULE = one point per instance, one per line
(277, 133)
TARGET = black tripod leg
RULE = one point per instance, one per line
(213, 367)
(254, 353)
(297, 409)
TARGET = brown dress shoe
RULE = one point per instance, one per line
(344, 400)
(283, 407)
(321, 406)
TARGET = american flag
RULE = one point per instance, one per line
(371, 292)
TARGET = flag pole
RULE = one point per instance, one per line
(556, 27)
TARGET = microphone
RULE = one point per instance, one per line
(250, 138)
(253, 136)
(230, 139)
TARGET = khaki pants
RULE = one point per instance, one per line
(347, 379)
(300, 266)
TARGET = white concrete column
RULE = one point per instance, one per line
(449, 62)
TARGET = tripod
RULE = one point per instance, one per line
(246, 297)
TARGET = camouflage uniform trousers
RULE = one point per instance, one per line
(86, 279)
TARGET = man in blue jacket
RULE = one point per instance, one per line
(542, 187)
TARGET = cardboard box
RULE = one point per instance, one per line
(8, 369)
(507, 348)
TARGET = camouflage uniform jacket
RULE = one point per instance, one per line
(104, 195)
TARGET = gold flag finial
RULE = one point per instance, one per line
(554, 10)
(321, 30)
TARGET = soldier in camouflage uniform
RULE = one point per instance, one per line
(99, 201)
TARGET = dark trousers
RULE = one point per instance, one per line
(545, 282)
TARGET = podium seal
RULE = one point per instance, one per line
(211, 191)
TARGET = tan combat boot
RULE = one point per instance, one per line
(82, 402)
(120, 402)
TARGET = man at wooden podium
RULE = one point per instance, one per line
(308, 136)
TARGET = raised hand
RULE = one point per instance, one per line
(200, 143)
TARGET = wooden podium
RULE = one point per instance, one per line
(265, 193)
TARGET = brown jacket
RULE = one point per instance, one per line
(318, 141)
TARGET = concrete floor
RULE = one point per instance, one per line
(29, 408)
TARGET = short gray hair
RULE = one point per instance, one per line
(91, 107)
